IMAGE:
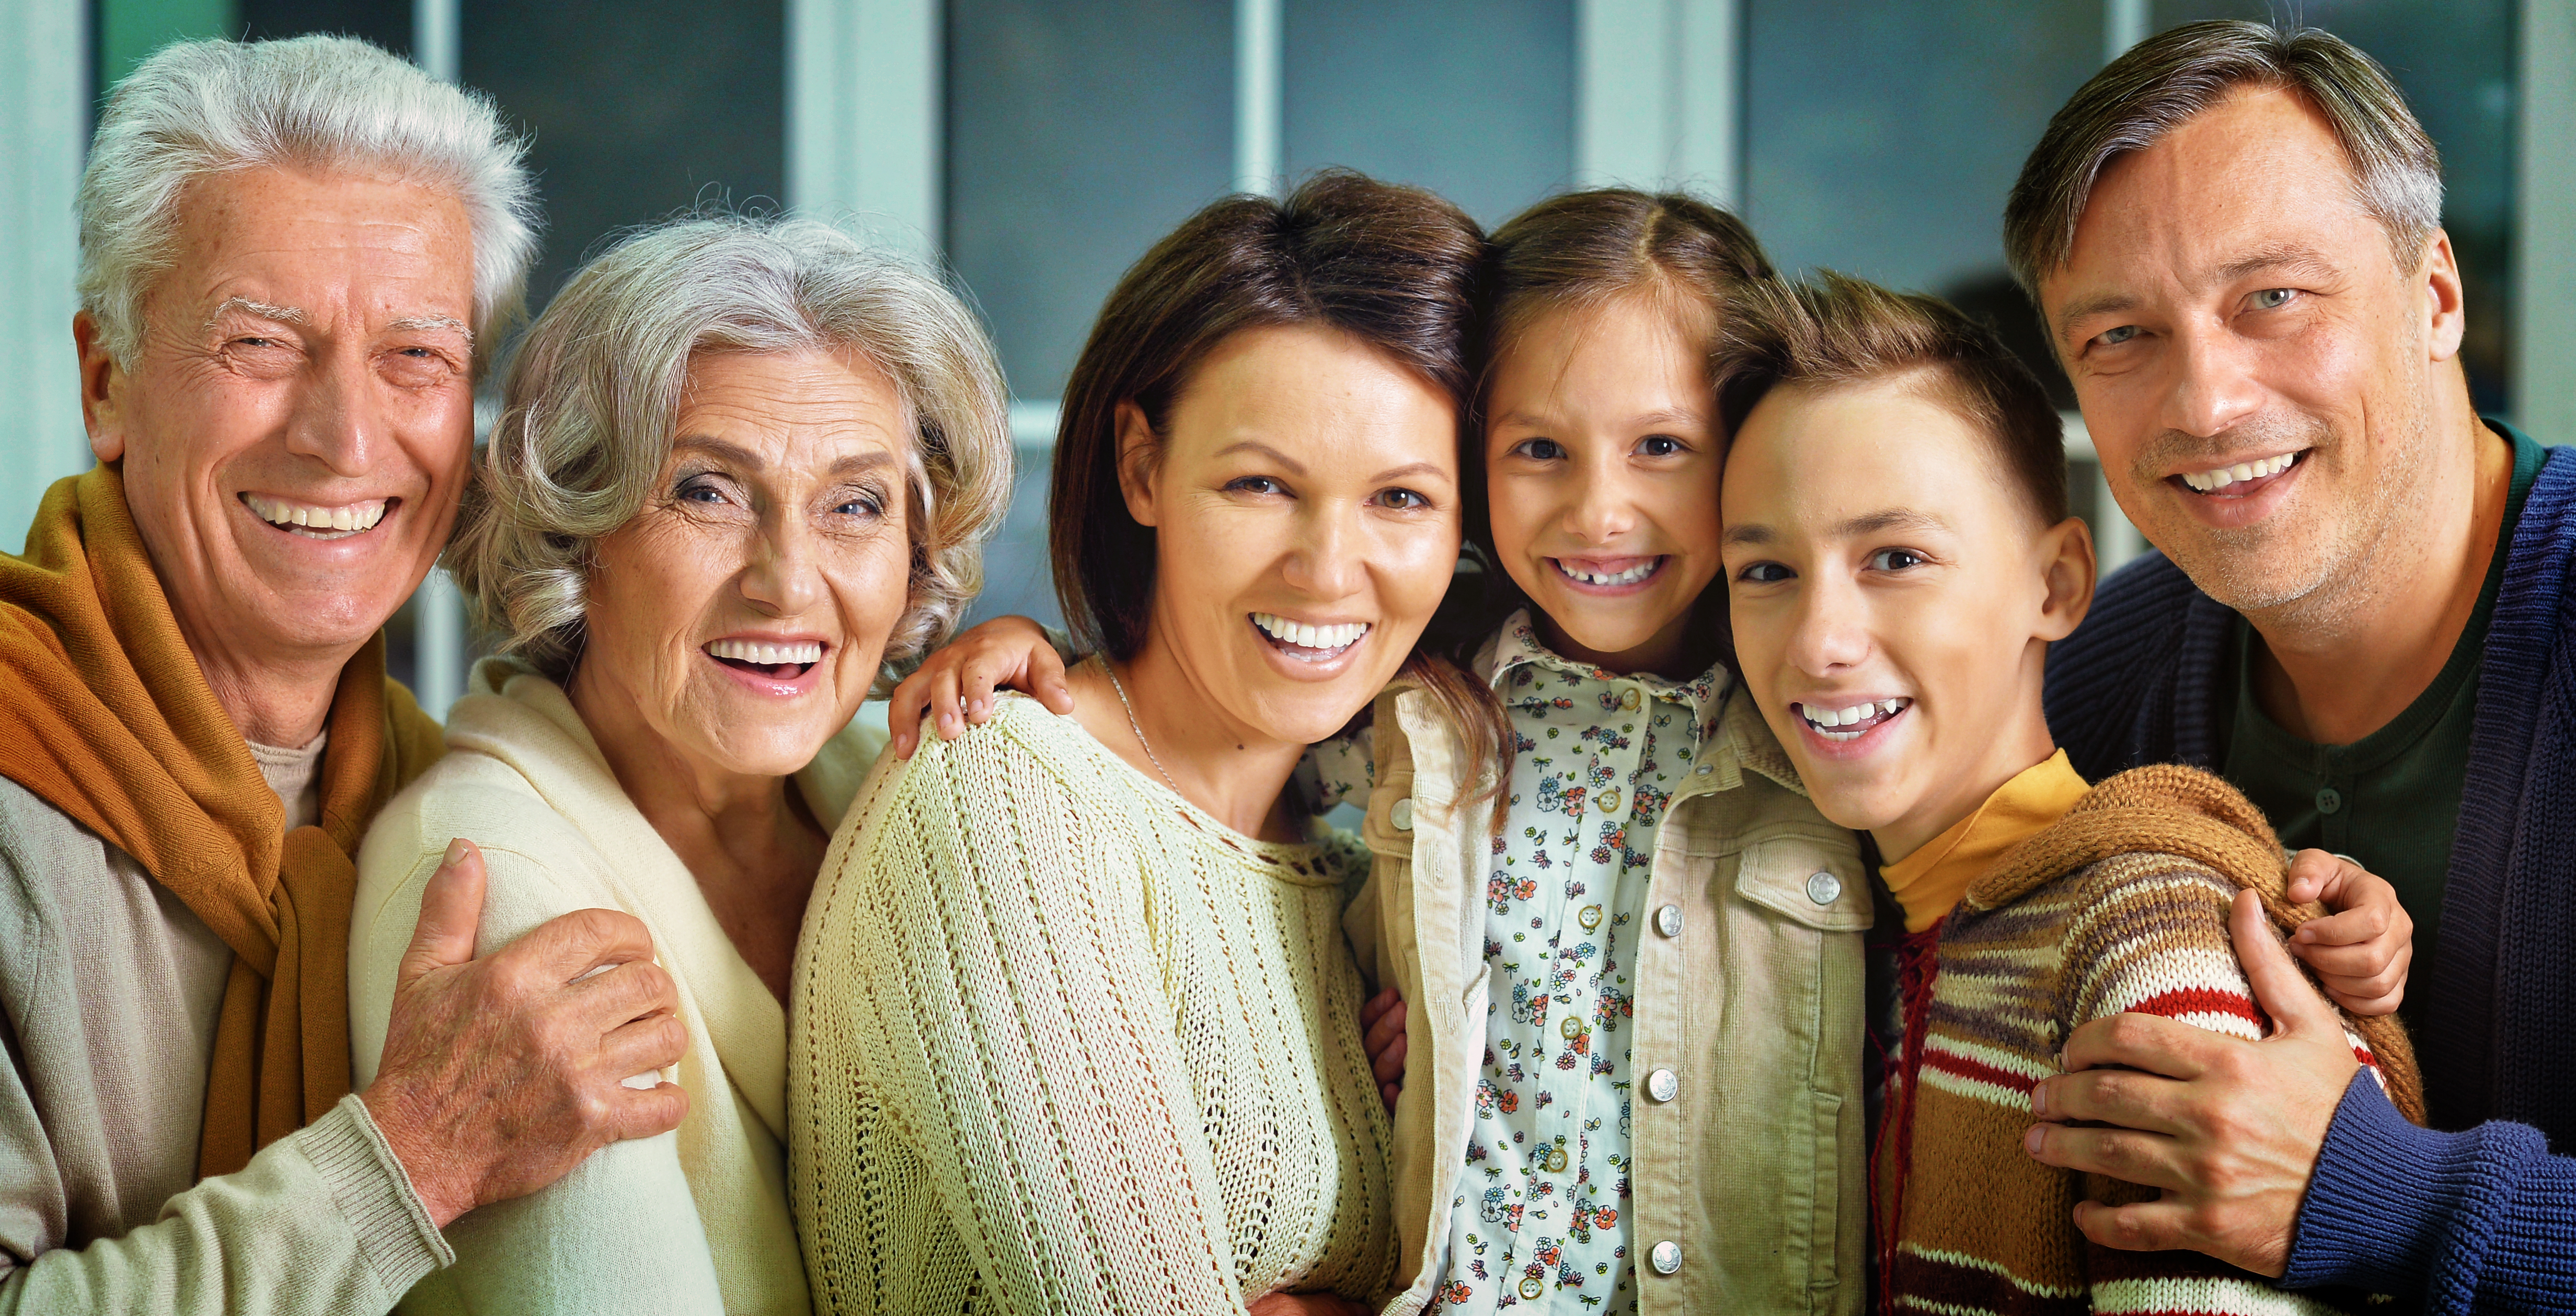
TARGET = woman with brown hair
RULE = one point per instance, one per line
(1075, 1027)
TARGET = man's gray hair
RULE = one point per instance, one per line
(2166, 79)
(593, 398)
(199, 108)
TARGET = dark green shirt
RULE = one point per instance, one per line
(2392, 798)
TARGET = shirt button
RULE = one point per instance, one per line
(1531, 1288)
(1663, 1085)
(1668, 920)
(1610, 800)
(1666, 1258)
(1399, 815)
(1629, 699)
(2329, 800)
(1572, 1026)
(1823, 888)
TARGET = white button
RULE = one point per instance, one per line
(1399, 815)
(1629, 699)
(1666, 1258)
(1668, 920)
(1823, 887)
(1703, 769)
(1660, 1086)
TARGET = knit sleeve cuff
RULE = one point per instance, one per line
(375, 1196)
(2389, 1200)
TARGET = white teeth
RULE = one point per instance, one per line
(1307, 636)
(344, 519)
(2210, 481)
(1822, 719)
(766, 655)
(1628, 577)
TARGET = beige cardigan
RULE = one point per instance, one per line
(1749, 1181)
(691, 1221)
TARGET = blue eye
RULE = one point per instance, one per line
(2115, 337)
(2273, 299)
(698, 489)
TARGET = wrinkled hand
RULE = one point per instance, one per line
(2229, 1129)
(2362, 951)
(953, 688)
(1305, 1304)
(501, 1074)
(1382, 1020)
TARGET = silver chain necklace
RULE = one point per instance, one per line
(1138, 728)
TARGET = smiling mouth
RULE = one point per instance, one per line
(2227, 479)
(1309, 642)
(778, 662)
(1608, 573)
(1840, 724)
(311, 521)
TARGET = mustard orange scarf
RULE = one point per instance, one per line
(105, 715)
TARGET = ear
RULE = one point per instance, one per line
(2445, 297)
(1137, 449)
(102, 389)
(2066, 569)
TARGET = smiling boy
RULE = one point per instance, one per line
(1900, 557)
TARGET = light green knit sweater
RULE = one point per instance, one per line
(1061, 1042)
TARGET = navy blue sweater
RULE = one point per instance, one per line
(2482, 1217)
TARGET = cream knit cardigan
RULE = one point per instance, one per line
(690, 1221)
(1064, 1043)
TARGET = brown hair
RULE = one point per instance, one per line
(1575, 252)
(1395, 267)
(1842, 330)
(2168, 78)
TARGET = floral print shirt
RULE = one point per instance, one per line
(1541, 1220)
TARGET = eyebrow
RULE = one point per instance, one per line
(265, 311)
(413, 323)
(846, 464)
(1867, 523)
(1295, 467)
(1666, 416)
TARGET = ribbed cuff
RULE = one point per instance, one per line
(375, 1196)
(2391, 1204)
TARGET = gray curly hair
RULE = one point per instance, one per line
(593, 395)
(199, 108)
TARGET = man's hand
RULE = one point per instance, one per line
(1383, 1020)
(953, 688)
(2362, 951)
(501, 1074)
(2229, 1129)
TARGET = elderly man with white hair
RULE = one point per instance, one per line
(292, 254)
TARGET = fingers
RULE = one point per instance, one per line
(2316, 875)
(1375, 1008)
(2279, 988)
(2143, 1042)
(2123, 1097)
(2146, 1159)
(1388, 1065)
(625, 992)
(568, 946)
(1389, 1092)
(451, 914)
(1046, 678)
(643, 1046)
(979, 677)
(2370, 959)
(947, 711)
(2137, 1227)
(647, 1112)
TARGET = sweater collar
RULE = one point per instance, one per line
(1929, 882)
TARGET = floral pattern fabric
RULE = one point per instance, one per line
(1541, 1221)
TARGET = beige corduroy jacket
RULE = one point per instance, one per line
(1749, 991)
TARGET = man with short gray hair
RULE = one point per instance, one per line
(293, 257)
(2360, 616)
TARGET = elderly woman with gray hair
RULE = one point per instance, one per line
(742, 465)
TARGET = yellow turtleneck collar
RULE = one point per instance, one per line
(1928, 882)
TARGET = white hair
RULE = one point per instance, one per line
(593, 396)
(199, 108)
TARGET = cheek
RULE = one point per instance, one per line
(871, 578)
(654, 580)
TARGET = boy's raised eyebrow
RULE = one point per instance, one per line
(1890, 518)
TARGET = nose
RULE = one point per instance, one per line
(337, 417)
(1603, 507)
(2213, 386)
(1830, 631)
(781, 579)
(1328, 561)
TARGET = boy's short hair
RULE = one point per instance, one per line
(1836, 329)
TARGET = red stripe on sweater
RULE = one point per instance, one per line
(1959, 1066)
(2200, 1000)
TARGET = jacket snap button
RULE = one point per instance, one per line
(1666, 1258)
(1704, 769)
(1399, 815)
(1661, 1086)
(1668, 920)
(1823, 887)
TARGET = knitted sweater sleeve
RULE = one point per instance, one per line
(2481, 1221)
(2153, 939)
(991, 1061)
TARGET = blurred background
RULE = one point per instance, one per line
(1039, 146)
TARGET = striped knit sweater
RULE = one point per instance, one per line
(2120, 906)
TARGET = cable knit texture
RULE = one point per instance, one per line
(1062, 1042)
(2120, 906)
(2135, 684)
